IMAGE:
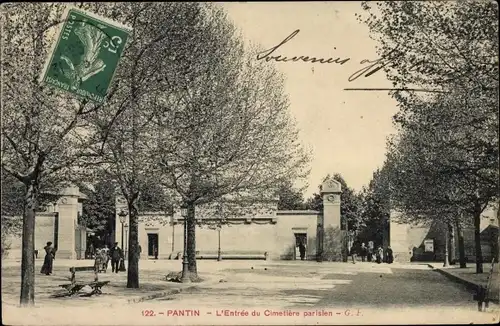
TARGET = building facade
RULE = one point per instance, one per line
(58, 223)
(427, 242)
(262, 231)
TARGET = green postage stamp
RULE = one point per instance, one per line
(86, 55)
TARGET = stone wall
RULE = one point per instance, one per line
(60, 231)
(289, 223)
(44, 232)
(259, 229)
(256, 236)
(407, 241)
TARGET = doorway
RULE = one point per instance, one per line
(153, 249)
(300, 238)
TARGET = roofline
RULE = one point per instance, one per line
(297, 212)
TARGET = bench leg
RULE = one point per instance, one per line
(96, 290)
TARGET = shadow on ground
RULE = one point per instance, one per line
(405, 288)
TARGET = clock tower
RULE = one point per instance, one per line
(331, 240)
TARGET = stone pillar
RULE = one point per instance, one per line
(398, 238)
(332, 236)
(68, 218)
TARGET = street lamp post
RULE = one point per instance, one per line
(122, 216)
(219, 227)
(219, 256)
(126, 240)
(319, 250)
(185, 268)
(446, 263)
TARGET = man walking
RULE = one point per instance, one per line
(363, 252)
(116, 254)
(354, 252)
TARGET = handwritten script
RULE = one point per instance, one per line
(369, 66)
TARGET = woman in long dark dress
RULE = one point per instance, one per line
(390, 256)
(49, 257)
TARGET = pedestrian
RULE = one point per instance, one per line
(36, 254)
(354, 250)
(98, 262)
(370, 251)
(390, 256)
(379, 254)
(106, 255)
(363, 251)
(91, 250)
(48, 261)
(116, 254)
(302, 250)
(139, 249)
(156, 252)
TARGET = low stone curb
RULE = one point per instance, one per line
(471, 286)
(155, 296)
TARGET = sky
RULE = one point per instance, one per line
(346, 130)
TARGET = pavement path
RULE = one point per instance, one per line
(327, 293)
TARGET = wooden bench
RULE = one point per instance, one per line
(75, 287)
(489, 293)
(236, 256)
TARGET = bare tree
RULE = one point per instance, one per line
(130, 143)
(228, 131)
(450, 47)
(41, 127)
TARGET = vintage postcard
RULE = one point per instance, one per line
(250, 163)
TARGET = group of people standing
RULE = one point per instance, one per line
(102, 258)
(370, 254)
(104, 255)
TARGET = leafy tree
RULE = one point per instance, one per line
(228, 131)
(315, 202)
(375, 208)
(425, 191)
(290, 198)
(12, 208)
(449, 47)
(42, 139)
(155, 60)
(12, 199)
(99, 208)
(154, 198)
(350, 204)
(437, 44)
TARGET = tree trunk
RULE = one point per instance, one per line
(497, 247)
(133, 245)
(461, 245)
(452, 251)
(477, 239)
(28, 248)
(191, 240)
